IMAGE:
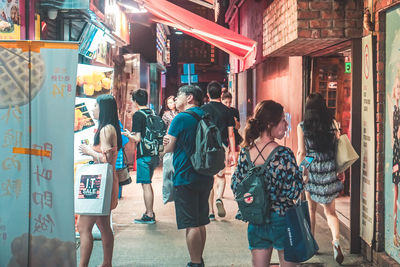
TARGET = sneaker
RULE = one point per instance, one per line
(220, 208)
(337, 252)
(211, 217)
(146, 219)
(191, 264)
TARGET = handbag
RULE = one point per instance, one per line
(93, 188)
(345, 154)
(123, 174)
(168, 176)
(300, 244)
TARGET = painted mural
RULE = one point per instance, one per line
(392, 134)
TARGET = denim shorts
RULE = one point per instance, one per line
(269, 235)
(145, 169)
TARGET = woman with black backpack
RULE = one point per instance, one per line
(282, 179)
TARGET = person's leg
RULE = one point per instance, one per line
(203, 238)
(194, 243)
(333, 223)
(211, 202)
(220, 183)
(220, 187)
(261, 257)
(148, 196)
(331, 217)
(85, 226)
(282, 262)
(312, 208)
(107, 238)
(396, 196)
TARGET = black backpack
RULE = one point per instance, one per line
(253, 200)
(155, 131)
(209, 156)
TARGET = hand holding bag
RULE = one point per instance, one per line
(345, 154)
(300, 245)
(93, 188)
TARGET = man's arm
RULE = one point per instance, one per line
(135, 137)
(169, 142)
(232, 145)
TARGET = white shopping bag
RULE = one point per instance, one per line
(168, 178)
(93, 187)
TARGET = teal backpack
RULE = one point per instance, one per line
(253, 200)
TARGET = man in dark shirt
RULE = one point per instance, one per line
(226, 99)
(191, 188)
(222, 117)
(145, 163)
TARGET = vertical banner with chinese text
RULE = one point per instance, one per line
(392, 133)
(36, 153)
(367, 188)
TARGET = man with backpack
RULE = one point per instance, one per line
(192, 188)
(148, 130)
(223, 118)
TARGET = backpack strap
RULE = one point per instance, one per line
(194, 114)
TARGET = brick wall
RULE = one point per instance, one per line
(299, 27)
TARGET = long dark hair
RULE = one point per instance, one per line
(267, 114)
(318, 124)
(108, 114)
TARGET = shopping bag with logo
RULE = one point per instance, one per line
(93, 187)
(300, 244)
(345, 155)
(168, 176)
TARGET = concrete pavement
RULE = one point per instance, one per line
(162, 244)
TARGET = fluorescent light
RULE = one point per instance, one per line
(178, 32)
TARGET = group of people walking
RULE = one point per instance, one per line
(197, 195)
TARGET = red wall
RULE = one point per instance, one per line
(280, 79)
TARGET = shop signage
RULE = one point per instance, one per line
(347, 67)
(36, 155)
(392, 139)
(367, 183)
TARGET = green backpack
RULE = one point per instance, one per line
(253, 200)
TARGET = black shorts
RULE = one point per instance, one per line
(191, 204)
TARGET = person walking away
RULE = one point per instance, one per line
(226, 99)
(283, 180)
(145, 161)
(107, 142)
(191, 188)
(222, 117)
(317, 137)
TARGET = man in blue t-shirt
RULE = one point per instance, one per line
(192, 189)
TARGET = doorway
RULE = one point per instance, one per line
(332, 78)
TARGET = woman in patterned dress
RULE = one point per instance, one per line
(107, 142)
(282, 179)
(393, 102)
(317, 137)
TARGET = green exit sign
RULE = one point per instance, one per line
(347, 67)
